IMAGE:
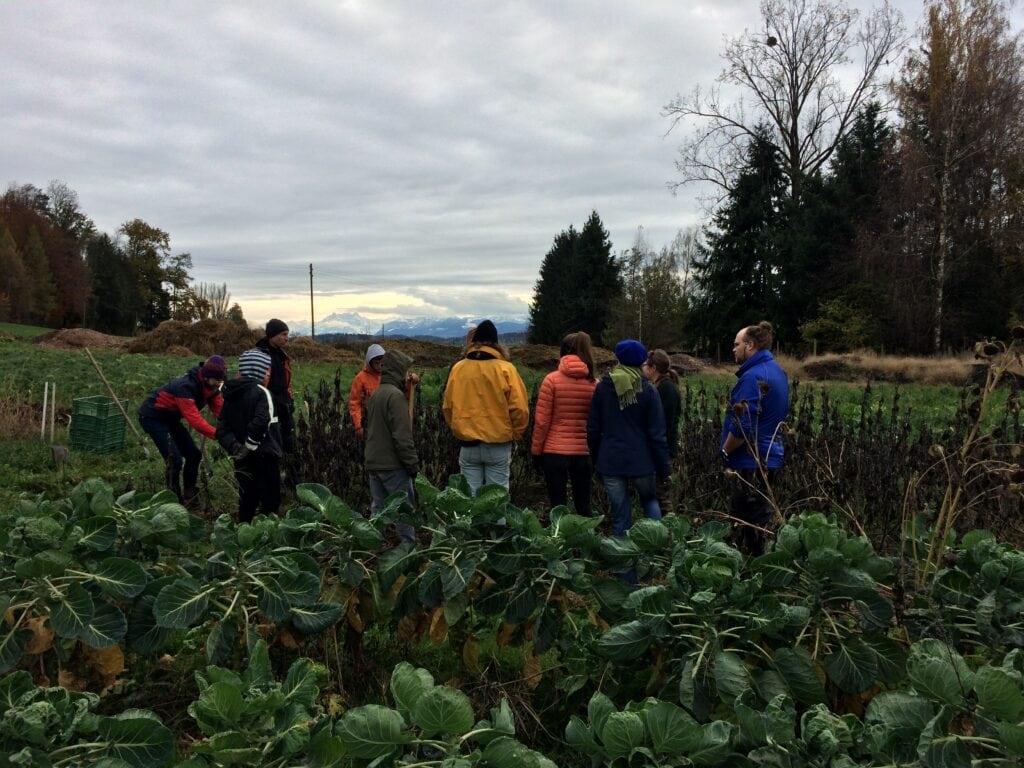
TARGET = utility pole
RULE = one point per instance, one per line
(312, 319)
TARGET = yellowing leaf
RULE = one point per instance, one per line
(105, 663)
(531, 671)
(505, 634)
(438, 626)
(471, 654)
(69, 681)
(42, 635)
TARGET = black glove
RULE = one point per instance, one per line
(239, 451)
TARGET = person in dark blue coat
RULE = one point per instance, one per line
(626, 436)
(752, 431)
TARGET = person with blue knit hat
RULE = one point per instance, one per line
(183, 398)
(249, 430)
(626, 436)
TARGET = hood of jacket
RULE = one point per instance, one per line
(573, 367)
(394, 368)
(236, 388)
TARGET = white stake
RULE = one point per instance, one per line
(53, 408)
(42, 427)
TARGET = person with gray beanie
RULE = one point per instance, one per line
(390, 451)
(249, 430)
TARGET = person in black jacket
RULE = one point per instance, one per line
(280, 386)
(249, 431)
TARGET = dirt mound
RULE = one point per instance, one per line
(684, 365)
(207, 337)
(179, 351)
(305, 350)
(78, 338)
(425, 354)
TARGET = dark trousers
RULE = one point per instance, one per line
(259, 485)
(575, 470)
(750, 503)
(179, 450)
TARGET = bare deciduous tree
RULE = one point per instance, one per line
(794, 77)
(216, 296)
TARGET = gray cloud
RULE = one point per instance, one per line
(428, 149)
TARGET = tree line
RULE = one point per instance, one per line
(57, 270)
(852, 212)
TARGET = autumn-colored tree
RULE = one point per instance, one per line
(147, 251)
(15, 284)
(961, 97)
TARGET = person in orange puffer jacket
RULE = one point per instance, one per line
(559, 443)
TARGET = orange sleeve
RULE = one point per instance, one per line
(187, 407)
(355, 401)
(542, 416)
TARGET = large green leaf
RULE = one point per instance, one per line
(714, 744)
(455, 578)
(939, 672)
(12, 645)
(227, 748)
(893, 722)
(120, 577)
(218, 707)
(302, 683)
(315, 495)
(145, 636)
(13, 687)
(622, 733)
(796, 667)
(731, 676)
(999, 693)
(408, 684)
(672, 731)
(298, 588)
(71, 616)
(937, 748)
(182, 604)
(98, 533)
(505, 752)
(650, 536)
(852, 666)
(443, 710)
(579, 736)
(316, 618)
(107, 626)
(371, 731)
(141, 742)
(598, 709)
(625, 642)
(271, 599)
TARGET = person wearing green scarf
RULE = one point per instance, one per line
(626, 436)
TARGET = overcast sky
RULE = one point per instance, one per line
(422, 155)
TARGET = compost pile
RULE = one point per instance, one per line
(207, 337)
(79, 338)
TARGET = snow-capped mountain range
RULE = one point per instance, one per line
(438, 327)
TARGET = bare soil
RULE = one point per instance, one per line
(79, 338)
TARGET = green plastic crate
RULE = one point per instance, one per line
(97, 424)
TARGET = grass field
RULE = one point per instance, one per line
(23, 331)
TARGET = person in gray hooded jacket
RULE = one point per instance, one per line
(390, 452)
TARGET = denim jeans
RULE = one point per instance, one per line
(577, 471)
(621, 501)
(385, 482)
(485, 464)
(178, 449)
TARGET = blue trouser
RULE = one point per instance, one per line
(485, 464)
(384, 482)
(621, 501)
(178, 449)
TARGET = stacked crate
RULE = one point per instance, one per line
(97, 424)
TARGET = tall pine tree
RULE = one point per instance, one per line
(739, 277)
(579, 280)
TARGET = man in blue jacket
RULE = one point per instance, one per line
(752, 431)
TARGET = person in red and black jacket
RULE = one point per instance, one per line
(161, 414)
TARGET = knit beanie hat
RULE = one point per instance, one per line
(253, 364)
(372, 351)
(631, 352)
(214, 368)
(485, 333)
(275, 327)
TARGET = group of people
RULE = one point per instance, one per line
(255, 422)
(622, 426)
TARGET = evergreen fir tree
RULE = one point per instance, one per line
(739, 277)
